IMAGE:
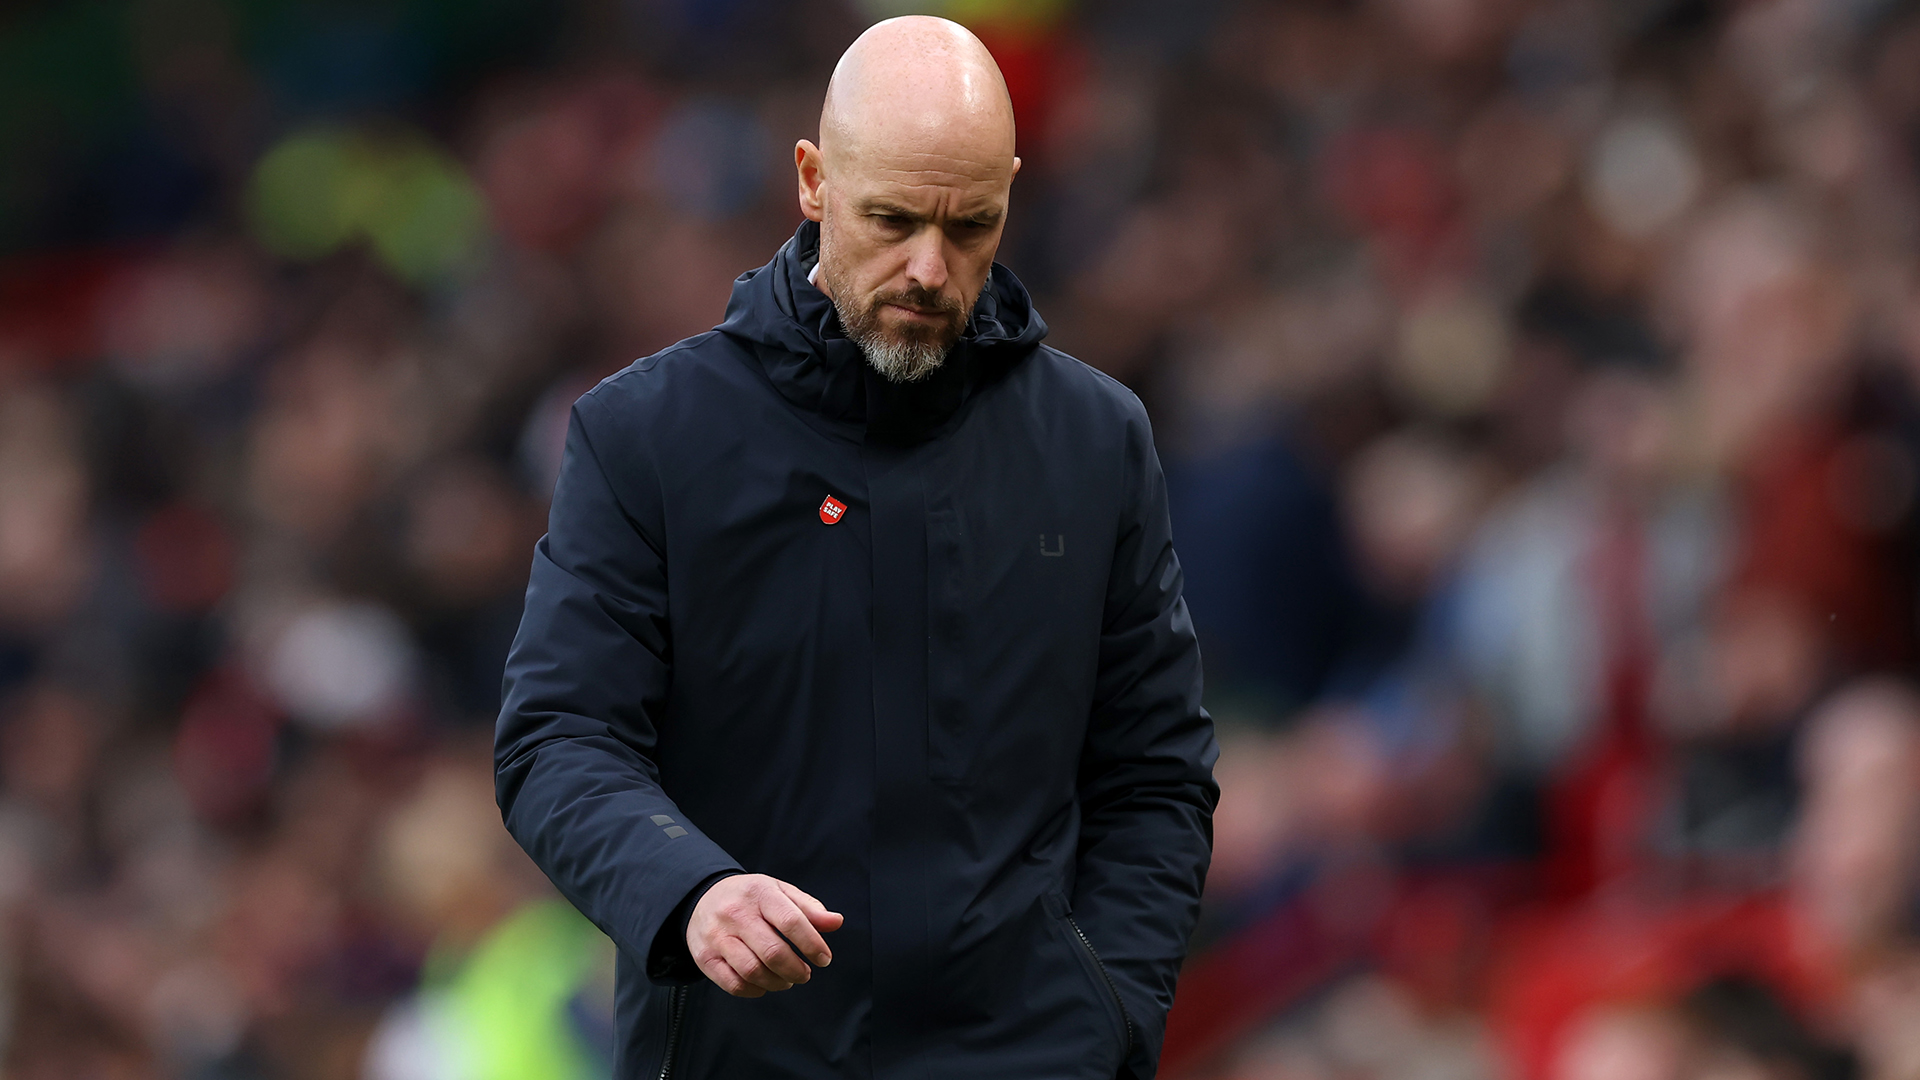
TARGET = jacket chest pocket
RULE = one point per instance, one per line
(1011, 633)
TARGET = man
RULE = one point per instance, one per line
(867, 596)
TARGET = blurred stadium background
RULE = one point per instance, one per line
(1539, 385)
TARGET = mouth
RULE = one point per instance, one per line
(918, 314)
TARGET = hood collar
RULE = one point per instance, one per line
(796, 335)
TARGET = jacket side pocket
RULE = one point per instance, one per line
(1096, 971)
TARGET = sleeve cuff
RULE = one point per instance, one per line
(668, 961)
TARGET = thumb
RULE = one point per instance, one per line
(815, 911)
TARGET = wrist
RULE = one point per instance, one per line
(669, 960)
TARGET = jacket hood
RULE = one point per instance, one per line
(795, 333)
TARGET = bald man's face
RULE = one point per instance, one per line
(908, 231)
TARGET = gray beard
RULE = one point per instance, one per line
(896, 361)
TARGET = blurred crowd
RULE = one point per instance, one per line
(1538, 383)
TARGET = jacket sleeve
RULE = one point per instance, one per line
(586, 683)
(1146, 792)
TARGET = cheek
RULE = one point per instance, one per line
(968, 264)
(967, 271)
(880, 274)
(853, 259)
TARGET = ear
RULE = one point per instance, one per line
(811, 170)
(1016, 169)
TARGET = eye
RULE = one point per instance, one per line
(892, 221)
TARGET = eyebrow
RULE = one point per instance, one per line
(984, 216)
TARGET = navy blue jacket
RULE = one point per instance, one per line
(964, 711)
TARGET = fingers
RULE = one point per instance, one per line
(746, 962)
(787, 914)
(745, 931)
(774, 953)
(816, 912)
(723, 976)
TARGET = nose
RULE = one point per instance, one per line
(927, 260)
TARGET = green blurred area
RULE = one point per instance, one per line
(322, 189)
(510, 1009)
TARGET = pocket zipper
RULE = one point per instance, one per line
(1113, 988)
(673, 1031)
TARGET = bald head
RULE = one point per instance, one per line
(910, 184)
(917, 82)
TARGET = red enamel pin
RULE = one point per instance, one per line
(832, 511)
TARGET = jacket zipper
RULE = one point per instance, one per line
(673, 1031)
(1112, 987)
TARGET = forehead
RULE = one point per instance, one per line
(938, 143)
(918, 176)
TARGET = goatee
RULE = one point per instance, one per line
(908, 354)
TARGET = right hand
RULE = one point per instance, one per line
(736, 934)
